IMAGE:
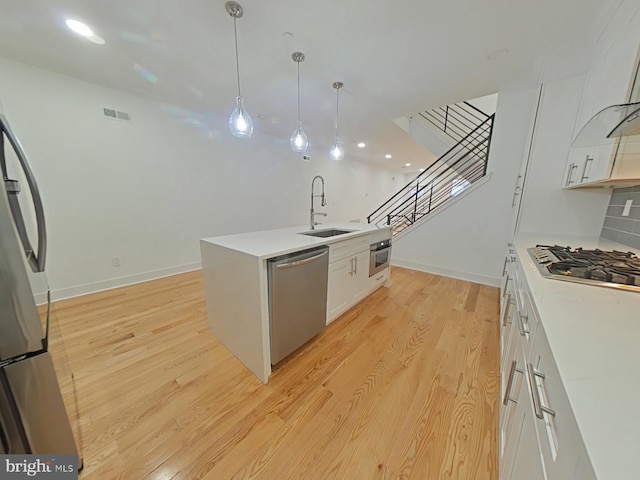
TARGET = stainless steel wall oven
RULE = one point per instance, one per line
(379, 256)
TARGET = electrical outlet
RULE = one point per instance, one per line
(627, 208)
(115, 261)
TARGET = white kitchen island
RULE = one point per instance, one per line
(236, 283)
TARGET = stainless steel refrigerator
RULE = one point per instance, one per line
(33, 418)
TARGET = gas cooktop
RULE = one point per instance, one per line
(611, 269)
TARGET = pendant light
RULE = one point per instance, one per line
(240, 122)
(337, 150)
(298, 141)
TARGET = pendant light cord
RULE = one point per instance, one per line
(298, 92)
(235, 31)
(337, 105)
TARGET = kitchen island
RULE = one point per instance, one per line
(236, 282)
(586, 343)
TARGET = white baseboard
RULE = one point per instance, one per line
(111, 283)
(445, 272)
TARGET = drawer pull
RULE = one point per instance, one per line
(523, 331)
(507, 306)
(535, 394)
(379, 278)
(506, 284)
(507, 394)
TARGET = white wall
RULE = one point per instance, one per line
(488, 104)
(468, 239)
(147, 190)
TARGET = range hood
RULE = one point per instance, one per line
(609, 124)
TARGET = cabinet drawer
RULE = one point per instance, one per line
(560, 441)
(378, 279)
(340, 250)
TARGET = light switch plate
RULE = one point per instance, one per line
(627, 208)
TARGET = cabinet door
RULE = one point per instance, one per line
(506, 329)
(360, 278)
(511, 417)
(560, 439)
(339, 287)
(587, 165)
(527, 463)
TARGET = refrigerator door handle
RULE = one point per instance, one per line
(36, 261)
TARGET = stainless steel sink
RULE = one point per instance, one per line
(331, 232)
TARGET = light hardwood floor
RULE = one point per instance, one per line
(403, 386)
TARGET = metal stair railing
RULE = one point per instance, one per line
(461, 166)
(456, 120)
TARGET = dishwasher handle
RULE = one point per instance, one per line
(300, 262)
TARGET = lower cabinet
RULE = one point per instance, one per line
(539, 436)
(348, 283)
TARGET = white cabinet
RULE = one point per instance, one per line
(379, 279)
(604, 165)
(609, 83)
(527, 463)
(539, 436)
(348, 275)
(360, 278)
(561, 444)
(511, 412)
(338, 289)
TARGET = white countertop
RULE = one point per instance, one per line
(594, 334)
(271, 243)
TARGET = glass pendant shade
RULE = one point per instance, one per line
(337, 150)
(299, 141)
(240, 122)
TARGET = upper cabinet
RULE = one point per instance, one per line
(595, 160)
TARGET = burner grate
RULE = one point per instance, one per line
(598, 267)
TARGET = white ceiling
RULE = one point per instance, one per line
(394, 57)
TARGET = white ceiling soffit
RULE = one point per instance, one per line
(394, 57)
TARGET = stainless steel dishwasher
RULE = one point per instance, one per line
(297, 299)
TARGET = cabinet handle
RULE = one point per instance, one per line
(379, 278)
(523, 331)
(572, 168)
(506, 283)
(504, 266)
(355, 271)
(507, 307)
(586, 164)
(535, 394)
(507, 394)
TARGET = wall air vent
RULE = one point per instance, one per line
(116, 114)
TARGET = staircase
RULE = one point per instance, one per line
(452, 173)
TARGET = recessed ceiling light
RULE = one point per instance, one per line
(407, 164)
(362, 145)
(388, 155)
(79, 27)
(422, 169)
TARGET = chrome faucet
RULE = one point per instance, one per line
(322, 203)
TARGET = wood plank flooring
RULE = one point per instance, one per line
(403, 386)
